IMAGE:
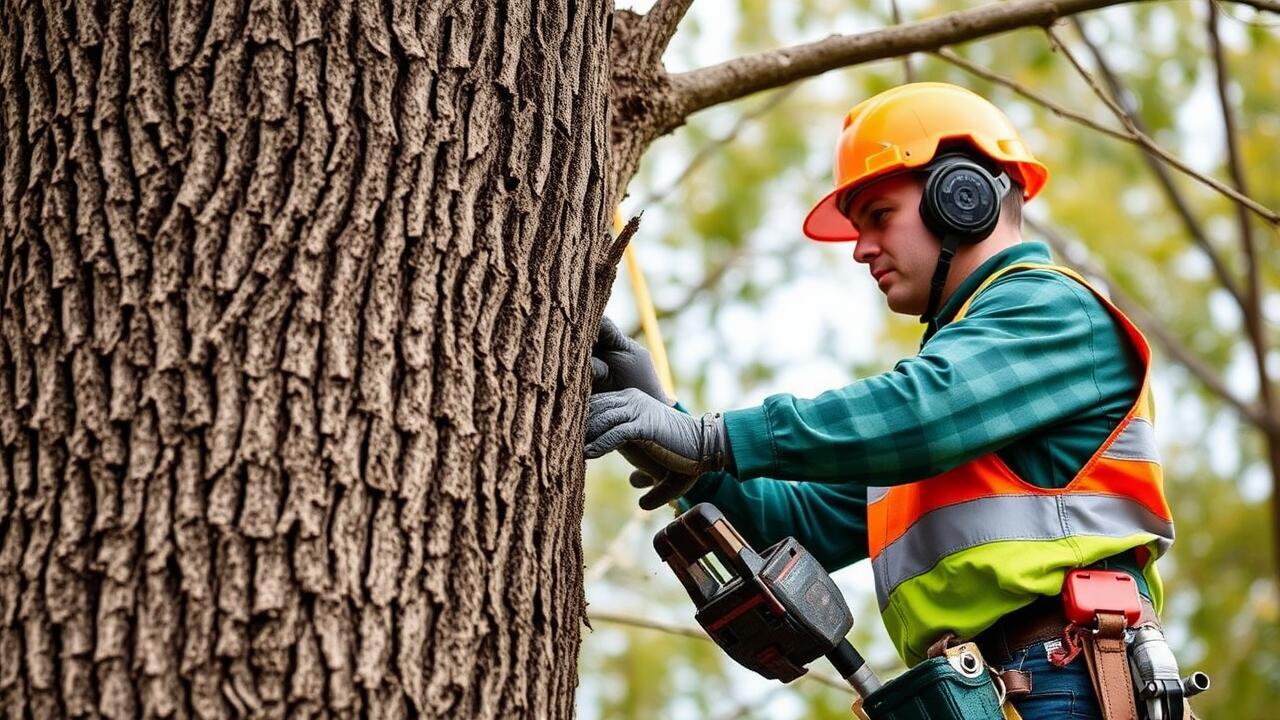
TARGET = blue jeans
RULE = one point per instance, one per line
(1064, 693)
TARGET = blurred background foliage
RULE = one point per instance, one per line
(750, 308)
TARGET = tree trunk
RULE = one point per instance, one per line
(297, 299)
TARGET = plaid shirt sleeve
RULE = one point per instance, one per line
(1021, 360)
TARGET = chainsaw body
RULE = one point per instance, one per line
(773, 612)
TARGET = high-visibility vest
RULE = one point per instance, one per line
(957, 551)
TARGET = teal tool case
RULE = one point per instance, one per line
(941, 688)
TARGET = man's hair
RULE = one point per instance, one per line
(1011, 206)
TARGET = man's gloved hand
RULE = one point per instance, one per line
(667, 445)
(661, 491)
(618, 363)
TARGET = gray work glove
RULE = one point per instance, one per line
(618, 363)
(661, 491)
(664, 443)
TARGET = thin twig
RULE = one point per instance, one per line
(908, 72)
(1249, 246)
(1112, 103)
(950, 56)
(616, 618)
(706, 152)
(705, 87)
(1153, 326)
(610, 556)
(710, 279)
(1180, 205)
(1150, 145)
(1192, 225)
(1253, 278)
(1267, 5)
(699, 634)
(1272, 5)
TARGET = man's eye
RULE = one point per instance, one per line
(878, 216)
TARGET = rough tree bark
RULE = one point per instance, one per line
(295, 304)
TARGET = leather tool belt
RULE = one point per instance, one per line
(1103, 647)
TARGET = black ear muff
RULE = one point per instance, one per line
(962, 199)
(961, 205)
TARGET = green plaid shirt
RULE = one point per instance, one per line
(1037, 371)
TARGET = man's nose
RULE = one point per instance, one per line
(864, 250)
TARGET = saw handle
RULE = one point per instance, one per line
(701, 531)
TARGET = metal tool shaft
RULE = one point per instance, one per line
(853, 668)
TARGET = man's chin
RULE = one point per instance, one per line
(903, 306)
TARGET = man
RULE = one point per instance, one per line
(1015, 446)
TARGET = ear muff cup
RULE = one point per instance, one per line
(961, 206)
(962, 199)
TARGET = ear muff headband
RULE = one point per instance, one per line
(961, 205)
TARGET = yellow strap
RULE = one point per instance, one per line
(1146, 403)
(964, 309)
(648, 317)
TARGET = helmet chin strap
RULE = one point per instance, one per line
(950, 243)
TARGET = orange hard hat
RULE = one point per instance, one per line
(902, 128)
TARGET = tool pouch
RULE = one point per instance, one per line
(954, 686)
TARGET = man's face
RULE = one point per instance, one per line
(893, 241)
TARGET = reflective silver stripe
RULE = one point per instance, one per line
(953, 528)
(875, 494)
(1136, 442)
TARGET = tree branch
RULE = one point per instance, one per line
(688, 631)
(1171, 191)
(1180, 205)
(699, 634)
(1267, 5)
(1153, 326)
(1150, 145)
(657, 27)
(1253, 280)
(1062, 112)
(702, 88)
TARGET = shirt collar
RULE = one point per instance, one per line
(1022, 252)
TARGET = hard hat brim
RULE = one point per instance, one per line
(824, 222)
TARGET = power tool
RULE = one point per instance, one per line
(773, 612)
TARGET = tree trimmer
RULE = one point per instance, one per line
(775, 612)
